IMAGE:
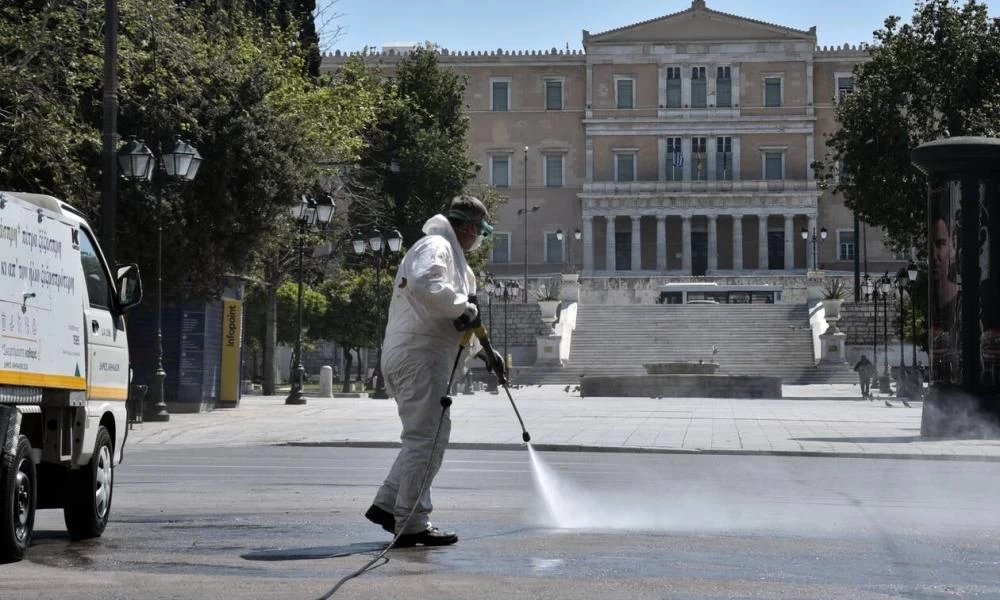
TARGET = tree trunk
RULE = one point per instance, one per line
(361, 377)
(347, 370)
(270, 340)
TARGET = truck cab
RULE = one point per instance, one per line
(64, 369)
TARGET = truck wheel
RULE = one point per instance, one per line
(89, 502)
(17, 504)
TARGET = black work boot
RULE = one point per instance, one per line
(381, 517)
(432, 536)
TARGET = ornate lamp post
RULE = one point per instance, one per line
(871, 293)
(308, 213)
(569, 247)
(378, 244)
(911, 273)
(525, 211)
(822, 236)
(137, 162)
(885, 288)
(902, 280)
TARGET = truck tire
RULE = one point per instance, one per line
(17, 504)
(88, 503)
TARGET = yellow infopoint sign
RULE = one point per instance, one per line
(232, 325)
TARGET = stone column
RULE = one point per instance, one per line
(736, 86)
(810, 157)
(636, 243)
(737, 242)
(810, 109)
(736, 156)
(789, 243)
(713, 244)
(609, 250)
(762, 242)
(686, 244)
(661, 243)
(661, 78)
(588, 244)
(590, 159)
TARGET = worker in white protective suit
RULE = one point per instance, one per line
(432, 305)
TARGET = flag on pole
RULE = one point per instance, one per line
(678, 158)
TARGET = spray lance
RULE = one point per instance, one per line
(476, 328)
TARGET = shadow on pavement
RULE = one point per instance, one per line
(907, 439)
(314, 552)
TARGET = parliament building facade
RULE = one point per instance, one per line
(677, 147)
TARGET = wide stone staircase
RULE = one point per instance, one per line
(750, 339)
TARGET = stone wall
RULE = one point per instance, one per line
(523, 322)
(857, 321)
(618, 291)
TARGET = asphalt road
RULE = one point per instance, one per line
(286, 522)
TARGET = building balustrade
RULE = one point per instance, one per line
(612, 188)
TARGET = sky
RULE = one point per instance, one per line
(541, 25)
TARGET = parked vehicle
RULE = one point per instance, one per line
(64, 369)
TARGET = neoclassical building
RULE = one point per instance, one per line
(677, 146)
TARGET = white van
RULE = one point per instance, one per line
(64, 369)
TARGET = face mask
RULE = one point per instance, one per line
(479, 242)
(485, 229)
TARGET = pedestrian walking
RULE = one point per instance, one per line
(866, 373)
(432, 303)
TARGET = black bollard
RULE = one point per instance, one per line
(963, 202)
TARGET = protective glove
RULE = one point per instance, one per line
(469, 319)
(497, 366)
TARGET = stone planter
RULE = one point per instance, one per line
(832, 309)
(549, 308)
(681, 368)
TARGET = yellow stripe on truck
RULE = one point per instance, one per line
(107, 393)
(66, 382)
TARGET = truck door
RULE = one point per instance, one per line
(107, 346)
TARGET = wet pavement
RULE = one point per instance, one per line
(286, 522)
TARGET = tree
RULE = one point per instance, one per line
(416, 159)
(938, 76)
(351, 318)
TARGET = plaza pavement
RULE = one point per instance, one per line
(827, 420)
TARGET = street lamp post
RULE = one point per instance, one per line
(822, 236)
(871, 293)
(885, 288)
(378, 243)
(137, 162)
(526, 225)
(902, 279)
(307, 213)
(569, 247)
(911, 273)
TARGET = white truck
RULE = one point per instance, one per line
(64, 369)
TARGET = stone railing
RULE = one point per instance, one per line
(637, 188)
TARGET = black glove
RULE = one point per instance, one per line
(497, 365)
(469, 319)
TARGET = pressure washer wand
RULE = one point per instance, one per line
(500, 372)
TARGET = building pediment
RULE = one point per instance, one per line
(699, 24)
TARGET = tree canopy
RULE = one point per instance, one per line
(935, 77)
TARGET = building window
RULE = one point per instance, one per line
(699, 159)
(774, 166)
(673, 87)
(699, 88)
(500, 170)
(845, 87)
(845, 245)
(724, 158)
(675, 160)
(625, 92)
(500, 95)
(553, 94)
(554, 170)
(772, 91)
(724, 87)
(501, 248)
(624, 166)
(553, 248)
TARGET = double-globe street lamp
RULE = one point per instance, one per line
(822, 236)
(885, 288)
(524, 211)
(505, 291)
(870, 289)
(378, 243)
(138, 163)
(569, 247)
(309, 214)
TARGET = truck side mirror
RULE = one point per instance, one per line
(129, 286)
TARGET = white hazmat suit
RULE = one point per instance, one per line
(431, 291)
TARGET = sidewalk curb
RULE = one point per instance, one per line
(644, 450)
